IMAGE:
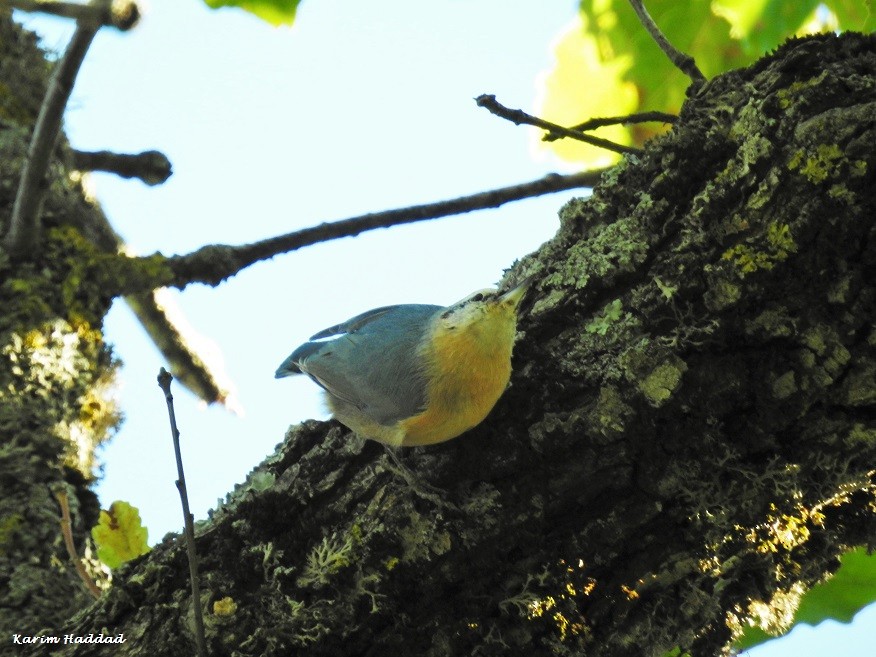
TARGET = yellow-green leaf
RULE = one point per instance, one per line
(586, 81)
(275, 12)
(853, 14)
(119, 534)
(608, 65)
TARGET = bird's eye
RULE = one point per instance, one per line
(478, 297)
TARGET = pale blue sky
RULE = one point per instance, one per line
(361, 106)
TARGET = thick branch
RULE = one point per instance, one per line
(518, 117)
(121, 14)
(179, 343)
(182, 347)
(24, 226)
(214, 263)
(152, 167)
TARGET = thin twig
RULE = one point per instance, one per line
(685, 63)
(67, 533)
(164, 379)
(639, 117)
(214, 263)
(152, 167)
(24, 227)
(516, 116)
(121, 14)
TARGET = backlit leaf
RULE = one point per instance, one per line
(851, 588)
(119, 534)
(275, 12)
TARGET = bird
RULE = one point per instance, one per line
(415, 374)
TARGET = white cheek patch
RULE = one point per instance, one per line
(329, 338)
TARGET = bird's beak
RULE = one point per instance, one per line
(515, 295)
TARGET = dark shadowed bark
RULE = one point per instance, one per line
(688, 441)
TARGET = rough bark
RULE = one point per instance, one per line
(689, 433)
(54, 372)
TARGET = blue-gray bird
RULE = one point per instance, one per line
(415, 374)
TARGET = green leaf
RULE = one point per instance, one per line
(851, 588)
(853, 14)
(608, 65)
(761, 25)
(275, 12)
(119, 534)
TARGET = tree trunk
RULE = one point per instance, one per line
(54, 371)
(688, 441)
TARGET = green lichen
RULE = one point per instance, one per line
(722, 294)
(309, 622)
(610, 413)
(663, 380)
(840, 192)
(612, 248)
(9, 526)
(858, 168)
(818, 165)
(224, 607)
(788, 96)
(667, 290)
(326, 558)
(773, 322)
(421, 539)
(860, 386)
(747, 258)
(860, 435)
(839, 291)
(610, 314)
(785, 385)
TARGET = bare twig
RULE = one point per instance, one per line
(67, 533)
(685, 63)
(639, 117)
(164, 379)
(214, 263)
(152, 167)
(121, 14)
(24, 227)
(517, 117)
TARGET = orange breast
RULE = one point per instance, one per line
(470, 371)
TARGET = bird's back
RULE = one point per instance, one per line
(371, 364)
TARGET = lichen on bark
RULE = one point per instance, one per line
(56, 371)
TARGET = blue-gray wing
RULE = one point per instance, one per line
(373, 361)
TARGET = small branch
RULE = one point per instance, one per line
(516, 116)
(685, 63)
(192, 363)
(152, 167)
(164, 379)
(214, 263)
(121, 14)
(24, 227)
(67, 533)
(640, 117)
(190, 357)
